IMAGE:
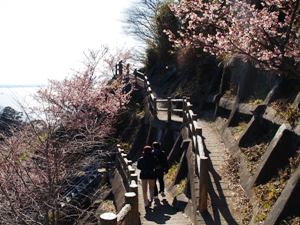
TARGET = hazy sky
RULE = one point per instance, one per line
(42, 39)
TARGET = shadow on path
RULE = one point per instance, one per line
(218, 200)
(161, 212)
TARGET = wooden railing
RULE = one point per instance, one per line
(129, 214)
(190, 121)
(169, 104)
(189, 118)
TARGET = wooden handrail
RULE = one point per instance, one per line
(195, 133)
(129, 213)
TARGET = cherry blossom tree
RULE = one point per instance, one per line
(31, 170)
(267, 33)
(84, 100)
(40, 157)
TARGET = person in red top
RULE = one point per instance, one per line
(147, 164)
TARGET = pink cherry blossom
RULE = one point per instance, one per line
(268, 36)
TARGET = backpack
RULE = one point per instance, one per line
(162, 161)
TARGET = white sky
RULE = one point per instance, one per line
(41, 39)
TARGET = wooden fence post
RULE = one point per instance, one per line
(116, 70)
(120, 65)
(108, 219)
(133, 187)
(124, 155)
(184, 106)
(169, 109)
(133, 217)
(135, 75)
(194, 117)
(131, 170)
(145, 83)
(134, 177)
(203, 182)
(155, 105)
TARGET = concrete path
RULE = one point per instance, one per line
(220, 194)
(160, 212)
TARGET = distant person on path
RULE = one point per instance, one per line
(147, 164)
(161, 168)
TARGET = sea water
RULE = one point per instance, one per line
(19, 98)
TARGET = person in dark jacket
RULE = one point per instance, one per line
(161, 168)
(147, 164)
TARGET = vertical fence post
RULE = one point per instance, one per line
(120, 65)
(134, 177)
(198, 131)
(194, 117)
(108, 219)
(155, 105)
(145, 82)
(133, 217)
(184, 110)
(116, 70)
(133, 187)
(135, 75)
(203, 189)
(169, 109)
(124, 155)
(131, 170)
(127, 69)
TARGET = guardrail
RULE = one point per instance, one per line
(129, 214)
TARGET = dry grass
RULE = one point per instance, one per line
(241, 203)
(108, 206)
(229, 94)
(181, 187)
(293, 220)
(268, 193)
(170, 176)
(253, 155)
(287, 112)
(238, 130)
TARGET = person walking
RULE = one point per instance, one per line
(147, 164)
(161, 168)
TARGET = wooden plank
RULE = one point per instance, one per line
(177, 100)
(118, 190)
(177, 110)
(160, 100)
